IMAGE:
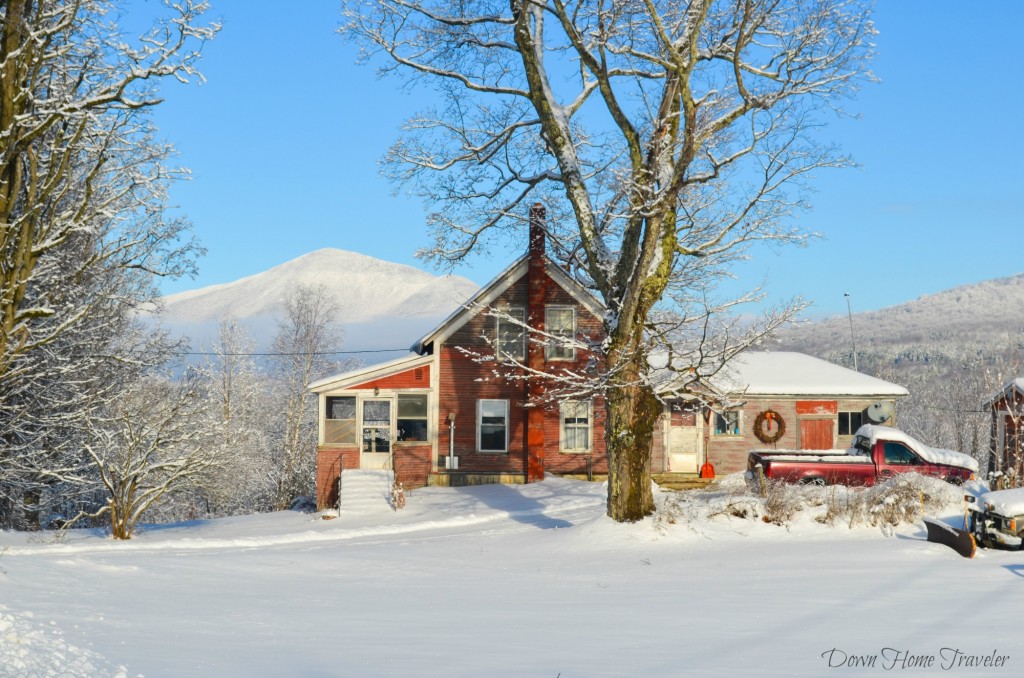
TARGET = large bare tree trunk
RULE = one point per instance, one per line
(632, 412)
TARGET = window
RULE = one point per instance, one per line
(576, 426)
(560, 323)
(412, 418)
(492, 425)
(727, 423)
(511, 335)
(900, 455)
(340, 424)
(849, 422)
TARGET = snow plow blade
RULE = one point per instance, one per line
(960, 541)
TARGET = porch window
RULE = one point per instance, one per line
(340, 421)
(412, 417)
(727, 423)
(576, 426)
(511, 335)
(560, 323)
(492, 425)
(849, 422)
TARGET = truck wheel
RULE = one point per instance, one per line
(812, 481)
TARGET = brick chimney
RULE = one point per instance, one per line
(536, 279)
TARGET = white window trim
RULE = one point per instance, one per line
(430, 426)
(739, 424)
(506, 316)
(590, 428)
(479, 424)
(547, 328)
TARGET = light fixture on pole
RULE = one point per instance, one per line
(853, 342)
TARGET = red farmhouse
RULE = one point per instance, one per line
(460, 410)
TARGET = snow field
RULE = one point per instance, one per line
(512, 581)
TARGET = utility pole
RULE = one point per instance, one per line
(853, 342)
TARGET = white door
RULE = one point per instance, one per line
(683, 439)
(376, 434)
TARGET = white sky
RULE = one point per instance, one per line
(284, 139)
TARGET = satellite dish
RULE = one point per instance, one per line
(881, 412)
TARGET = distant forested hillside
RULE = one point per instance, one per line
(952, 350)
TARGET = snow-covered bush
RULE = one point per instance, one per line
(903, 499)
(782, 502)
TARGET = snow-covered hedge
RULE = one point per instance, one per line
(904, 499)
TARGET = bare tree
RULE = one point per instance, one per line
(308, 337)
(665, 138)
(145, 445)
(239, 404)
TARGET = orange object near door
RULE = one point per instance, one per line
(707, 470)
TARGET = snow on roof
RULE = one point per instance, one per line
(935, 455)
(785, 373)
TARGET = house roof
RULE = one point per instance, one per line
(1011, 387)
(346, 379)
(498, 286)
(786, 373)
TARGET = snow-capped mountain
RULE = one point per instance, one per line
(382, 305)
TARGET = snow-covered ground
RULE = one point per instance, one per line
(508, 581)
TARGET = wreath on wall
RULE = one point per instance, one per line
(766, 434)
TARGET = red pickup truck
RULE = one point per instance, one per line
(877, 453)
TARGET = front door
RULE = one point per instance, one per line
(376, 434)
(683, 438)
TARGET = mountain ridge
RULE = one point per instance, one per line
(981, 318)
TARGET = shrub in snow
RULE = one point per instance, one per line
(397, 496)
(782, 502)
(900, 500)
(904, 499)
(303, 504)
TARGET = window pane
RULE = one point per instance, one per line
(412, 406)
(512, 334)
(376, 440)
(560, 322)
(492, 408)
(849, 422)
(576, 426)
(412, 429)
(727, 423)
(340, 432)
(340, 424)
(341, 408)
(377, 413)
(493, 425)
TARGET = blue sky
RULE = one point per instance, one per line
(284, 137)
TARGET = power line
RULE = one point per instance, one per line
(272, 354)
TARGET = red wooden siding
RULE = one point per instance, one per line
(466, 378)
(417, 377)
